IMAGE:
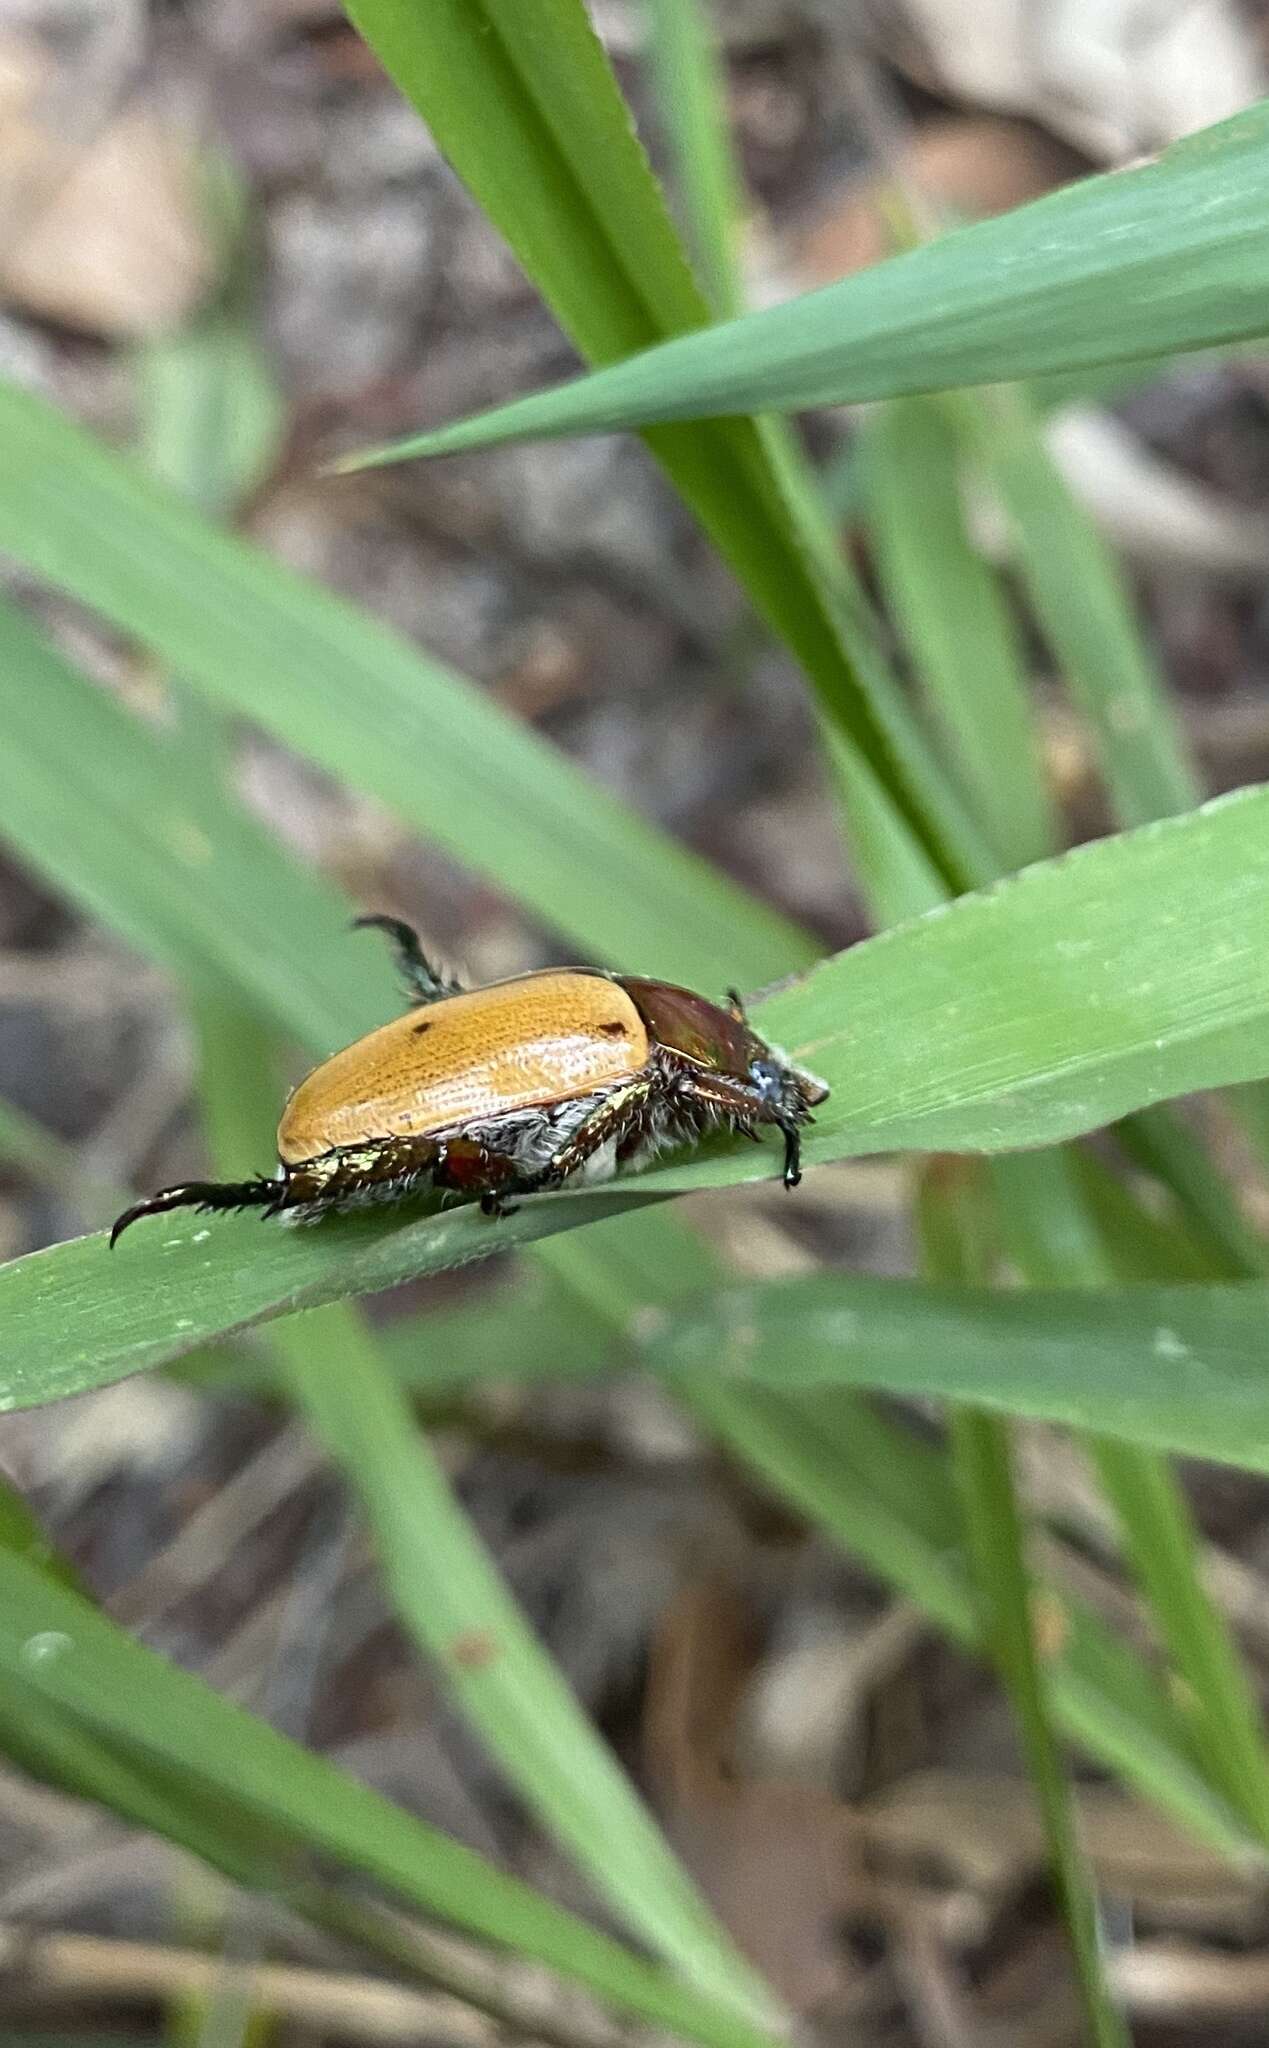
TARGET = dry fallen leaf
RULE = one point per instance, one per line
(984, 1834)
(776, 1859)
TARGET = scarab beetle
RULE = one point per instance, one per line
(498, 1092)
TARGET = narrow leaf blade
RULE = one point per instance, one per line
(1169, 256)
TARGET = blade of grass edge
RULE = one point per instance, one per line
(348, 694)
(57, 1750)
(896, 873)
(995, 1537)
(1079, 598)
(527, 109)
(955, 621)
(91, 1671)
(1169, 255)
(688, 76)
(1051, 1239)
(451, 1599)
(887, 1498)
(1136, 739)
(995, 1533)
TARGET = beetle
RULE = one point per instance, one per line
(571, 1073)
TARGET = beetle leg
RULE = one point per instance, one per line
(424, 983)
(206, 1195)
(735, 1004)
(792, 1153)
(611, 1118)
(356, 1177)
(739, 1107)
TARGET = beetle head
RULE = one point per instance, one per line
(781, 1085)
(722, 1042)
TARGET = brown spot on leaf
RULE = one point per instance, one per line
(474, 1650)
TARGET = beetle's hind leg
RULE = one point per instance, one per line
(205, 1195)
(424, 982)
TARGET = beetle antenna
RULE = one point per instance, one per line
(424, 983)
(203, 1194)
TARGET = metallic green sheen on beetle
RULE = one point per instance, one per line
(499, 1092)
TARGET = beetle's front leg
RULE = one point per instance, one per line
(792, 1152)
(742, 1109)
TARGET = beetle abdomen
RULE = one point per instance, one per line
(469, 1058)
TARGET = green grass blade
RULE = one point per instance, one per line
(568, 184)
(1078, 594)
(994, 1528)
(55, 1748)
(274, 649)
(1061, 955)
(896, 874)
(1143, 1240)
(882, 1492)
(1066, 997)
(1168, 256)
(1215, 1696)
(52, 1746)
(75, 1326)
(1218, 1703)
(60, 1650)
(450, 1597)
(688, 75)
(897, 878)
(1172, 1151)
(1085, 611)
(786, 1442)
(442, 1354)
(953, 618)
(959, 1245)
(54, 1164)
(211, 416)
(23, 1535)
(1181, 1368)
(134, 829)
(525, 105)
